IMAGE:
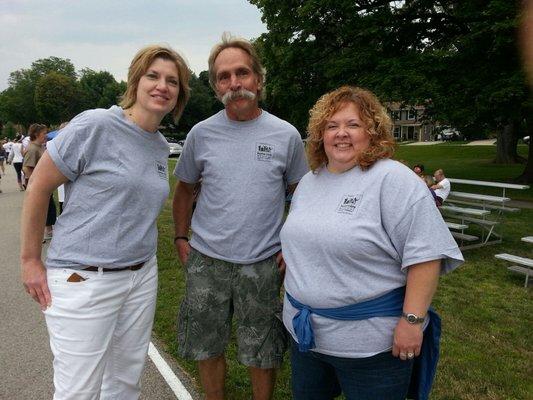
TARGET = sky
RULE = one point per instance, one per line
(106, 34)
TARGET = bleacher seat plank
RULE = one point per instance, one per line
(454, 225)
(480, 221)
(528, 262)
(465, 210)
(477, 196)
(486, 206)
(464, 236)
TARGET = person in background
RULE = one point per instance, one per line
(419, 170)
(7, 147)
(3, 157)
(99, 286)
(16, 159)
(364, 246)
(442, 187)
(61, 188)
(245, 158)
(34, 152)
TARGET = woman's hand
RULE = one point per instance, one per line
(183, 248)
(34, 280)
(407, 340)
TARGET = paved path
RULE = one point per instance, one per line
(25, 358)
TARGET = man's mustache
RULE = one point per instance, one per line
(233, 95)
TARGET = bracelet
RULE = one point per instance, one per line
(181, 237)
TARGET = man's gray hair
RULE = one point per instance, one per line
(230, 41)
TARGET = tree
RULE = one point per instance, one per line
(202, 103)
(458, 58)
(18, 100)
(57, 98)
(99, 89)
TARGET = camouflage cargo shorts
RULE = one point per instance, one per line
(216, 290)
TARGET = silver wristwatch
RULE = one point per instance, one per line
(413, 318)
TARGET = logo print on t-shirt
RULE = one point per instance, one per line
(264, 152)
(349, 204)
(161, 170)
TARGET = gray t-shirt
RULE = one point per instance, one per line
(245, 168)
(118, 183)
(349, 238)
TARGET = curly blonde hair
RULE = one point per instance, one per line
(374, 116)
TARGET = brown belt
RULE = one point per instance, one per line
(131, 268)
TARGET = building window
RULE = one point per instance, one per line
(397, 132)
(395, 115)
(411, 115)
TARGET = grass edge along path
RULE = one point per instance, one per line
(486, 348)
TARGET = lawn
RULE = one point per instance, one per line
(486, 349)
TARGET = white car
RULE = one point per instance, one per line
(174, 148)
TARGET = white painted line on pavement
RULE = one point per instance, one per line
(167, 373)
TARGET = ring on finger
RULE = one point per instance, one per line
(410, 355)
(402, 355)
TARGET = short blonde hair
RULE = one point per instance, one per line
(140, 64)
(230, 41)
(375, 118)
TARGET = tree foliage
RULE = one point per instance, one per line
(459, 58)
(57, 98)
(202, 103)
(51, 92)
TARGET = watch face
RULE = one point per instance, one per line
(411, 318)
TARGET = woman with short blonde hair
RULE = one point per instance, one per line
(98, 286)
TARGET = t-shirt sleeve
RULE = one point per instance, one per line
(68, 149)
(187, 169)
(297, 166)
(422, 235)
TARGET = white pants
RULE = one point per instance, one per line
(100, 331)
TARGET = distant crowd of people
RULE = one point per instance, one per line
(359, 254)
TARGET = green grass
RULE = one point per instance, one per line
(487, 346)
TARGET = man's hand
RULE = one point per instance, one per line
(183, 248)
(281, 264)
(34, 280)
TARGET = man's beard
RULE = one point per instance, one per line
(233, 95)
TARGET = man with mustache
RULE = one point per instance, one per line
(246, 159)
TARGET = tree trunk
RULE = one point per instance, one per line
(506, 145)
(527, 175)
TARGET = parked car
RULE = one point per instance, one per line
(526, 139)
(175, 148)
(448, 133)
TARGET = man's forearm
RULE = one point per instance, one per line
(182, 208)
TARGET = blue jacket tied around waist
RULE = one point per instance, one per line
(388, 305)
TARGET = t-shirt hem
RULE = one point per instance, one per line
(186, 179)
(345, 355)
(211, 254)
(112, 265)
(447, 254)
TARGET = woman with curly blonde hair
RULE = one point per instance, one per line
(364, 246)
